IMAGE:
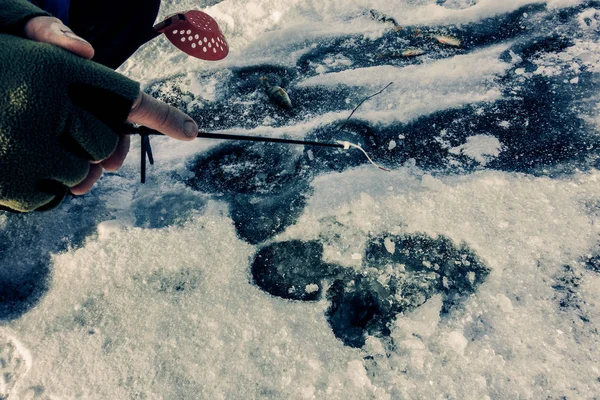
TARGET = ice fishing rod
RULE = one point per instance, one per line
(144, 131)
(147, 156)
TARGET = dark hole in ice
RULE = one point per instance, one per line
(356, 310)
(400, 273)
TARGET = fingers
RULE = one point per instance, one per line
(86, 185)
(51, 30)
(114, 162)
(111, 164)
(160, 116)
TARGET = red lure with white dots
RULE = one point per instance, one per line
(196, 34)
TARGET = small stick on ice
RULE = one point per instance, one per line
(361, 103)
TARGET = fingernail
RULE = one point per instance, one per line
(190, 129)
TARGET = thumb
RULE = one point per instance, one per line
(51, 30)
(162, 117)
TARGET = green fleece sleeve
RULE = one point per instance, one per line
(57, 112)
(15, 13)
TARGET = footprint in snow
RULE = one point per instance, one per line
(15, 361)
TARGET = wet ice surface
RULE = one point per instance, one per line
(470, 271)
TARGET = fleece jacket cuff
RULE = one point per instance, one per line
(14, 14)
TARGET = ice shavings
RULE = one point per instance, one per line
(523, 227)
(583, 55)
(423, 89)
(457, 342)
(165, 312)
(457, 12)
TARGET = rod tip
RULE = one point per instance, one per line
(345, 144)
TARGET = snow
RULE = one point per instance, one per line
(481, 148)
(470, 271)
(420, 90)
(457, 342)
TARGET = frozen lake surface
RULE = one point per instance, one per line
(267, 271)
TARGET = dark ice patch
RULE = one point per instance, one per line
(266, 185)
(538, 124)
(260, 217)
(243, 101)
(400, 273)
(246, 168)
(592, 262)
(531, 47)
(28, 240)
(356, 309)
(22, 285)
(358, 51)
(421, 143)
(292, 270)
(568, 296)
(458, 270)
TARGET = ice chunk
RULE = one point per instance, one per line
(390, 246)
(313, 287)
(457, 342)
(481, 148)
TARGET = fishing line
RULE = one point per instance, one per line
(347, 145)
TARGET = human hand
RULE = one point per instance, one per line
(59, 119)
(146, 110)
(153, 114)
(51, 30)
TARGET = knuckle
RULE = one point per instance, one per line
(164, 115)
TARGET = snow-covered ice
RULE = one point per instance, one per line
(265, 271)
